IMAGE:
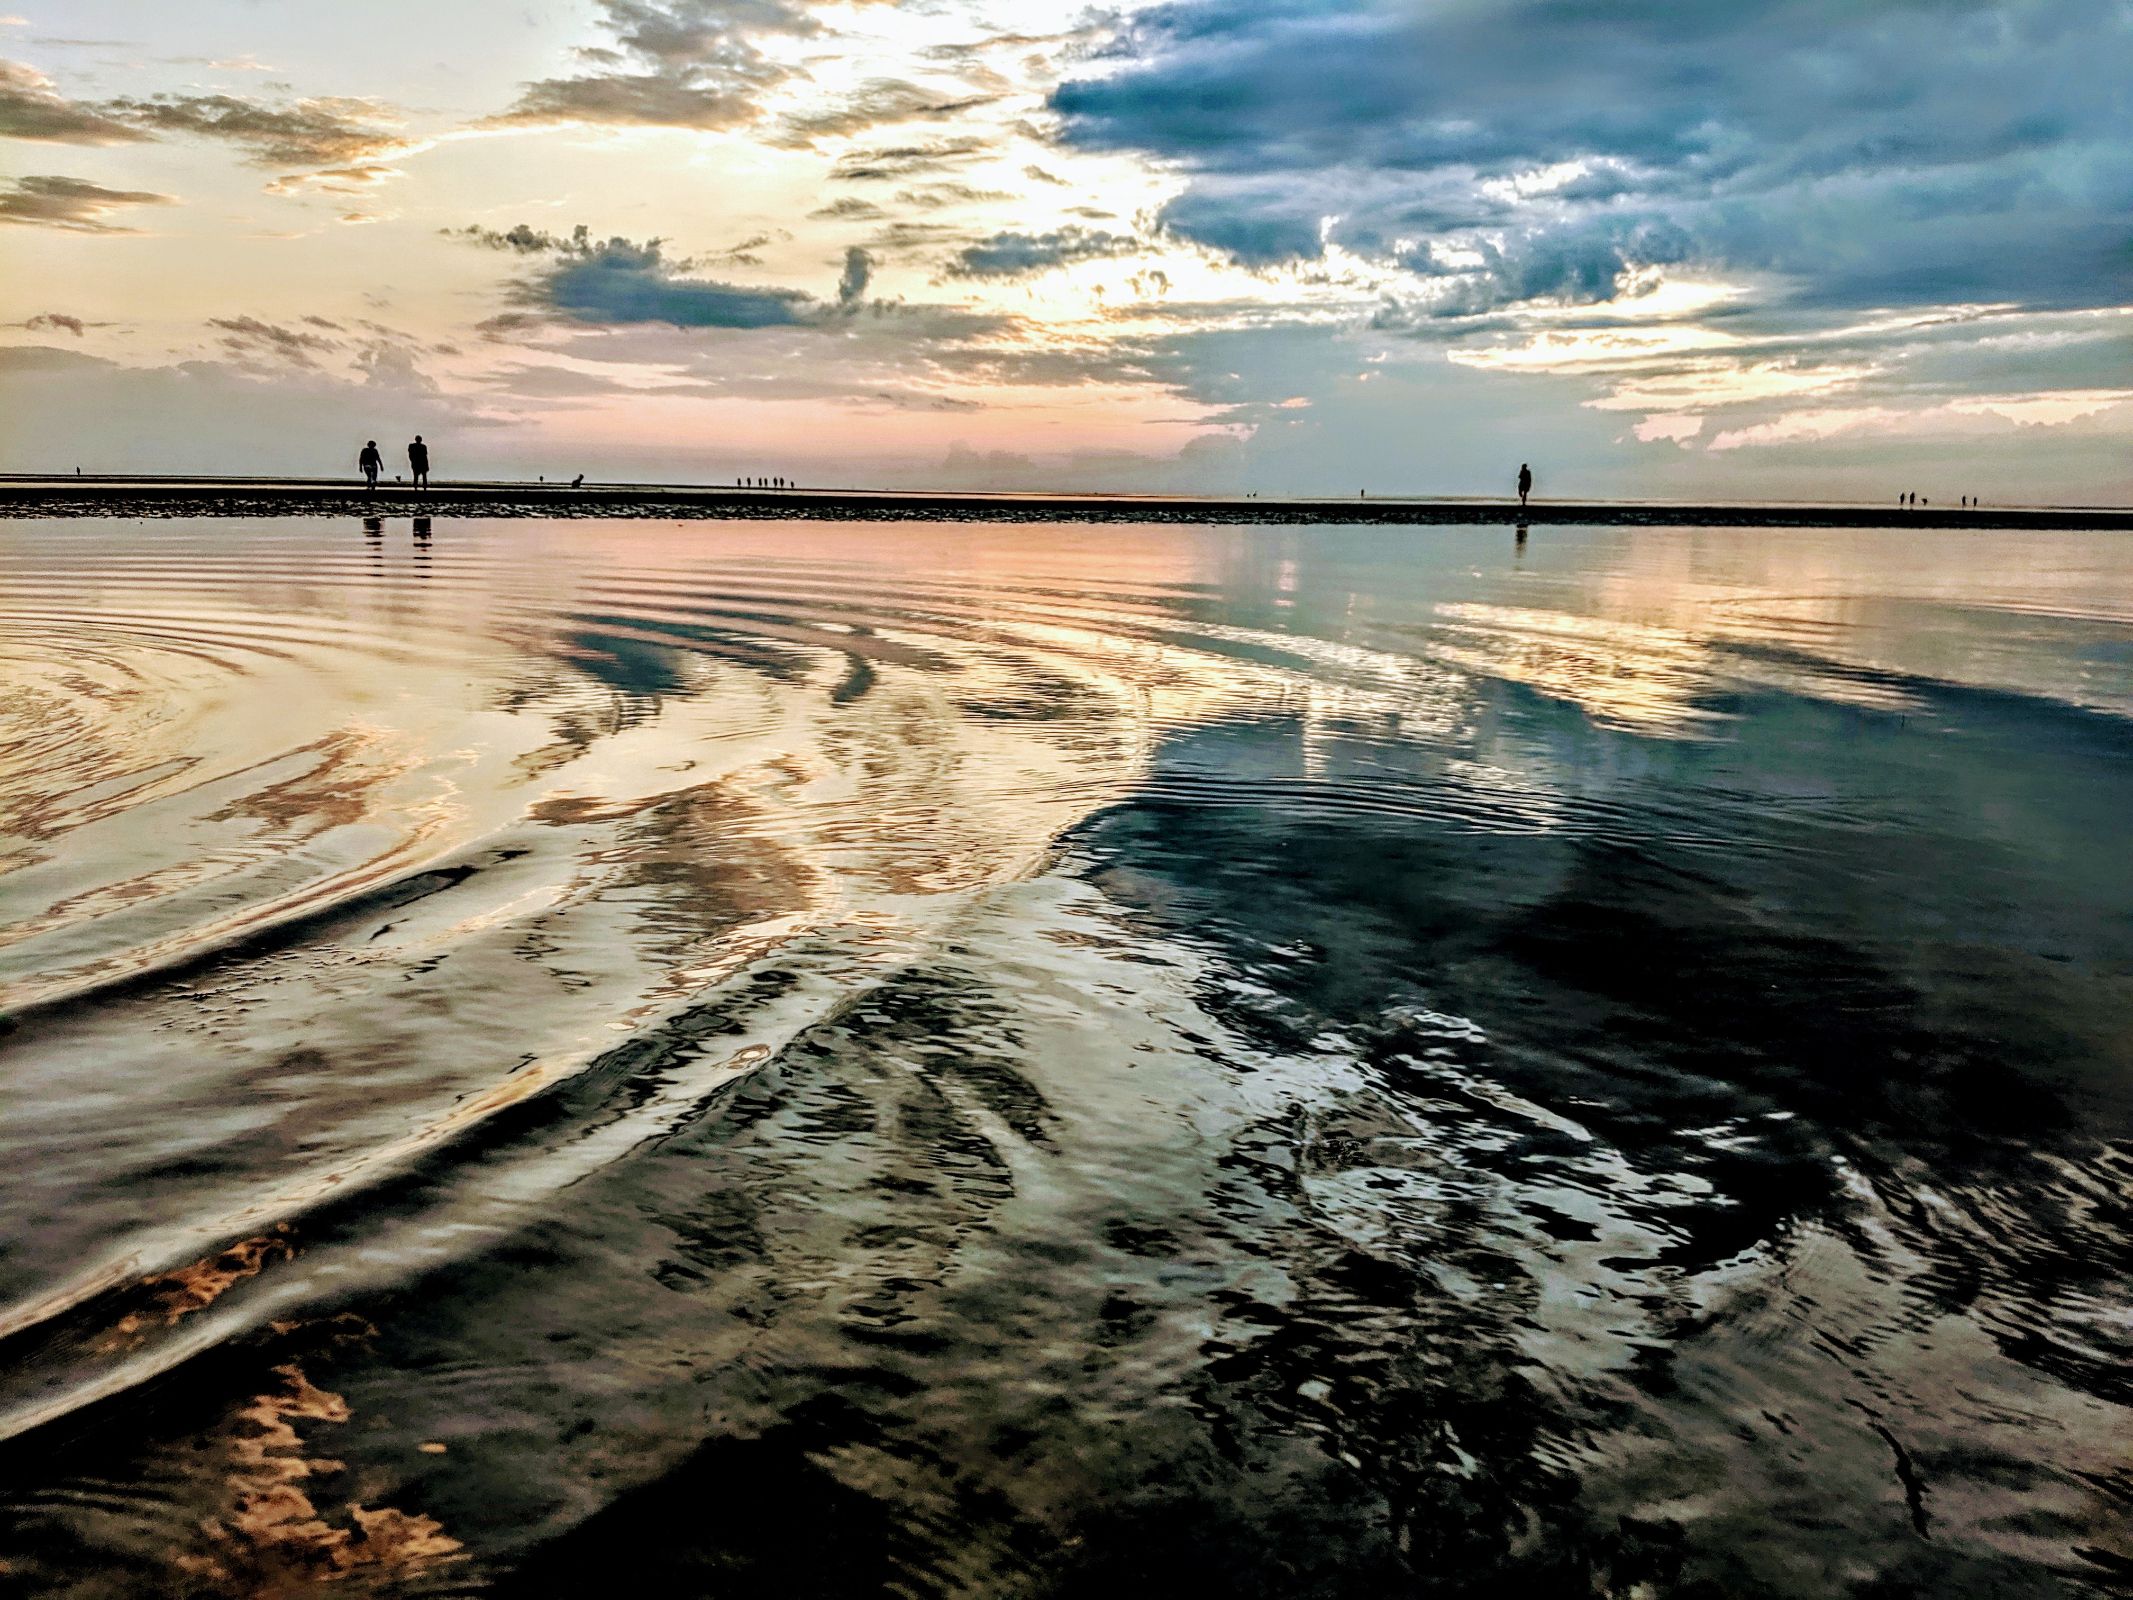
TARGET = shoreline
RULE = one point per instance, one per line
(254, 497)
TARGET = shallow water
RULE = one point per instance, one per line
(824, 1059)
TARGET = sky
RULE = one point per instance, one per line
(1730, 248)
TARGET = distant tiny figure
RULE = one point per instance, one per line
(372, 464)
(1525, 483)
(418, 462)
(578, 482)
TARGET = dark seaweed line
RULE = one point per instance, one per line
(211, 500)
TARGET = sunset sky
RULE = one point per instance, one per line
(1726, 247)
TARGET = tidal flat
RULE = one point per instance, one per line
(821, 1059)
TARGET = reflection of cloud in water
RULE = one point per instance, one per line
(1413, 1037)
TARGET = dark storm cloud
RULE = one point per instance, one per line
(1018, 255)
(622, 303)
(672, 63)
(1260, 232)
(30, 108)
(1904, 152)
(73, 204)
(618, 282)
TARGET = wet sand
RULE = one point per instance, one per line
(300, 497)
(815, 1058)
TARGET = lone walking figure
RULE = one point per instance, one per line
(372, 464)
(1525, 483)
(418, 462)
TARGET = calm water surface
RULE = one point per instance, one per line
(562, 1058)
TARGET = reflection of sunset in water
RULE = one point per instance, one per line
(775, 1003)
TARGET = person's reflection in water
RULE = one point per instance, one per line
(1520, 542)
(373, 527)
(422, 545)
(422, 527)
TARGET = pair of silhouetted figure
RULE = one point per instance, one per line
(418, 463)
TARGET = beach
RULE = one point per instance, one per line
(297, 497)
(834, 1057)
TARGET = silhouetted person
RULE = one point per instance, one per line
(372, 464)
(578, 482)
(1525, 483)
(418, 462)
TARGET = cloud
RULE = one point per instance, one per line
(672, 64)
(337, 180)
(331, 131)
(73, 204)
(907, 160)
(545, 382)
(850, 208)
(852, 283)
(1020, 255)
(935, 196)
(65, 408)
(903, 239)
(31, 108)
(59, 319)
(1245, 224)
(620, 281)
(1914, 152)
(883, 102)
(40, 358)
(253, 341)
